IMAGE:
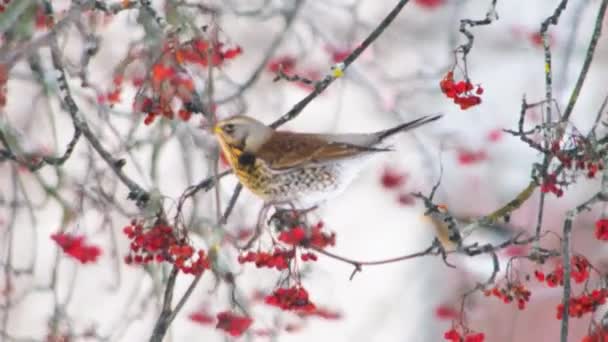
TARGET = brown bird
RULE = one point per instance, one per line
(303, 168)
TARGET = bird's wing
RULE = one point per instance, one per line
(286, 150)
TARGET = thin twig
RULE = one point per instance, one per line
(323, 84)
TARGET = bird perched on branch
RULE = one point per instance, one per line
(303, 168)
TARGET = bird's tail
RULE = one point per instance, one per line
(407, 126)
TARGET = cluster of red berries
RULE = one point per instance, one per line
(453, 335)
(537, 40)
(579, 272)
(42, 21)
(511, 292)
(167, 84)
(308, 257)
(550, 185)
(159, 244)
(315, 237)
(279, 258)
(590, 167)
(287, 65)
(580, 269)
(392, 179)
(202, 317)
(461, 92)
(601, 229)
(76, 247)
(446, 312)
(113, 96)
(581, 161)
(202, 52)
(294, 298)
(429, 4)
(599, 335)
(337, 54)
(167, 81)
(468, 157)
(585, 303)
(233, 324)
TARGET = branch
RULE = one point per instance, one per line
(514, 204)
(601, 196)
(289, 20)
(8, 153)
(567, 270)
(597, 31)
(136, 192)
(544, 27)
(491, 15)
(162, 323)
(323, 84)
(235, 196)
(434, 249)
(442, 215)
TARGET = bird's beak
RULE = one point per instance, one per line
(217, 129)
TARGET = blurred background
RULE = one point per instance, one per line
(46, 296)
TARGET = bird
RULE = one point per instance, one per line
(292, 168)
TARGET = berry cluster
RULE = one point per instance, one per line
(294, 298)
(580, 272)
(580, 269)
(337, 54)
(203, 52)
(233, 324)
(279, 258)
(511, 292)
(585, 303)
(537, 40)
(392, 179)
(468, 157)
(599, 335)
(286, 65)
(113, 96)
(298, 236)
(601, 229)
(580, 158)
(446, 312)
(201, 317)
(167, 84)
(453, 335)
(308, 257)
(550, 185)
(168, 90)
(461, 92)
(42, 21)
(159, 244)
(429, 4)
(76, 247)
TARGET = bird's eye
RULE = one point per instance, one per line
(228, 128)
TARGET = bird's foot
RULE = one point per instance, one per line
(288, 218)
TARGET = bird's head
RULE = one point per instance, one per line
(242, 132)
